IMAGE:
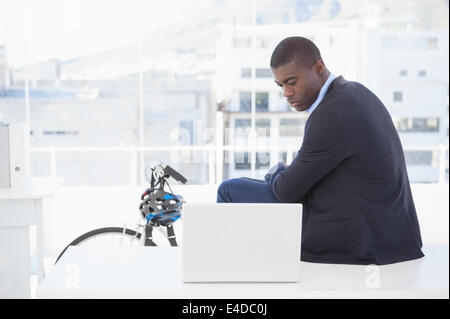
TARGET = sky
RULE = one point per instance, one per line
(68, 28)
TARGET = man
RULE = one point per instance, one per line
(349, 174)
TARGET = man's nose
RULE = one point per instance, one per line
(287, 92)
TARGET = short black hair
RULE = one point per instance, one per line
(300, 49)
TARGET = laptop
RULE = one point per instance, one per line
(237, 242)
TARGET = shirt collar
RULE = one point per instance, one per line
(322, 93)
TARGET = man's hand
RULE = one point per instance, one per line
(275, 170)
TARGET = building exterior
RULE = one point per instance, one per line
(407, 70)
(88, 131)
(78, 104)
(413, 83)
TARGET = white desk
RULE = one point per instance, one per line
(19, 209)
(155, 272)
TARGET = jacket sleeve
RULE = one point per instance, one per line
(324, 147)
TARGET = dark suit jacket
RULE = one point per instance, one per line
(350, 175)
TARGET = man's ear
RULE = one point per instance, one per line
(319, 67)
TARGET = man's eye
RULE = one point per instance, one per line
(292, 83)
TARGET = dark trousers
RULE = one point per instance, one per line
(245, 190)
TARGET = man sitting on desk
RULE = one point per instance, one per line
(349, 174)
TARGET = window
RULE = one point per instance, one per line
(245, 102)
(292, 127)
(419, 157)
(402, 125)
(408, 43)
(262, 127)
(246, 73)
(263, 73)
(403, 73)
(426, 125)
(242, 160)
(261, 101)
(242, 127)
(407, 125)
(59, 132)
(246, 42)
(422, 73)
(153, 117)
(242, 123)
(259, 73)
(398, 96)
(282, 156)
(262, 160)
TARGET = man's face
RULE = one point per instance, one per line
(300, 85)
